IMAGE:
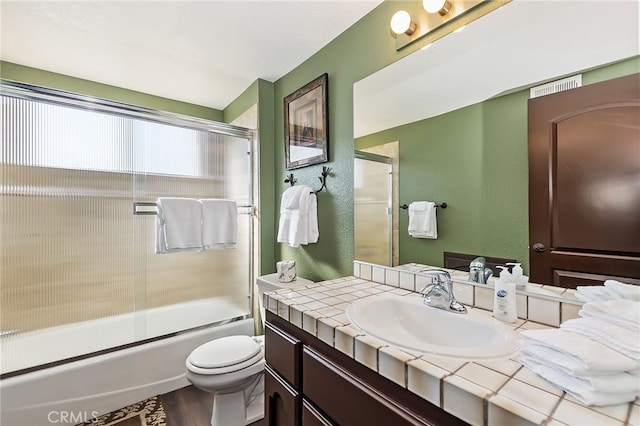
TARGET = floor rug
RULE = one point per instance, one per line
(149, 412)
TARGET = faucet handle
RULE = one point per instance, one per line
(439, 276)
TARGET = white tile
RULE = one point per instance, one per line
(464, 399)
(463, 293)
(530, 325)
(503, 411)
(634, 418)
(366, 272)
(618, 411)
(310, 322)
(356, 269)
(295, 315)
(329, 311)
(448, 363)
(392, 364)
(366, 351)
(521, 306)
(529, 396)
(505, 366)
(484, 298)
(392, 277)
(348, 297)
(482, 376)
(574, 414)
(343, 340)
(423, 379)
(544, 311)
(326, 329)
(378, 274)
(422, 281)
(408, 281)
(283, 308)
(569, 311)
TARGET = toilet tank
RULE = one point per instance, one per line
(270, 282)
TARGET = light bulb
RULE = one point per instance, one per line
(437, 6)
(401, 22)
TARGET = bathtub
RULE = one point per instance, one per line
(78, 391)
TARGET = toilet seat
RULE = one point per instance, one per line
(225, 355)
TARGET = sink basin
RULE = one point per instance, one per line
(408, 323)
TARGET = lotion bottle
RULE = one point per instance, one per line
(504, 303)
(518, 278)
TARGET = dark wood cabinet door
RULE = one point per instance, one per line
(282, 402)
(584, 184)
(312, 417)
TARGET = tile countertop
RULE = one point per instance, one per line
(496, 392)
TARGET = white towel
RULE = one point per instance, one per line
(219, 224)
(595, 293)
(622, 312)
(618, 338)
(615, 388)
(574, 354)
(178, 225)
(624, 291)
(298, 222)
(422, 220)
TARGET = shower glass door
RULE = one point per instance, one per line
(372, 208)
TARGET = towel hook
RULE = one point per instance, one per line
(323, 179)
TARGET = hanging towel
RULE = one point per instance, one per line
(611, 389)
(298, 222)
(219, 224)
(178, 225)
(574, 354)
(422, 220)
(618, 338)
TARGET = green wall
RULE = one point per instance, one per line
(475, 159)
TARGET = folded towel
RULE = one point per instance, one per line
(624, 291)
(298, 222)
(574, 354)
(178, 225)
(618, 338)
(422, 220)
(219, 224)
(595, 293)
(622, 312)
(611, 389)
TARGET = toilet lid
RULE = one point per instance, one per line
(224, 351)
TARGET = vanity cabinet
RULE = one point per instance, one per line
(307, 382)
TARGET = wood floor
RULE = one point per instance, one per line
(190, 406)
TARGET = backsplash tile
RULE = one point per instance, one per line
(407, 281)
(392, 277)
(484, 297)
(378, 274)
(544, 311)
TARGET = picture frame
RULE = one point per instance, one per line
(306, 125)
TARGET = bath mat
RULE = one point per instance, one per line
(149, 412)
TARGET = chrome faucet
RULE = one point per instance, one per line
(439, 294)
(478, 271)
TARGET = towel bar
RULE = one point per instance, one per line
(143, 212)
(323, 179)
(441, 205)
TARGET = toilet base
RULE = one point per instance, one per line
(230, 409)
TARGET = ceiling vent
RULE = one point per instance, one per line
(556, 86)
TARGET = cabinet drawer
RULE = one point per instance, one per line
(346, 399)
(282, 402)
(282, 352)
(312, 417)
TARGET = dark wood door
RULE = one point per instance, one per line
(584, 184)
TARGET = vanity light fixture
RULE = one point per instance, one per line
(442, 7)
(429, 20)
(401, 23)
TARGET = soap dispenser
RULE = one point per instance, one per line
(504, 303)
(520, 279)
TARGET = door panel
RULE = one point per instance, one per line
(584, 184)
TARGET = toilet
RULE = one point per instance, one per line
(232, 368)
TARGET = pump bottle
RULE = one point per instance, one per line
(520, 279)
(504, 303)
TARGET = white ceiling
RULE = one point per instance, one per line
(205, 52)
(520, 44)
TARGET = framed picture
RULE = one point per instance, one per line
(306, 125)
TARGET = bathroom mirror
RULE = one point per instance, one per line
(517, 46)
